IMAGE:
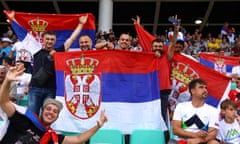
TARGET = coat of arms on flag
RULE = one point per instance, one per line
(82, 87)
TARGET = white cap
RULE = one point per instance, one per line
(6, 39)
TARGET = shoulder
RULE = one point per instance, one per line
(184, 105)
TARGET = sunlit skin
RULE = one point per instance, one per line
(49, 41)
(124, 42)
(85, 43)
(200, 91)
(2, 74)
(157, 48)
(49, 114)
(19, 66)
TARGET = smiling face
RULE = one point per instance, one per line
(85, 43)
(49, 41)
(49, 114)
(124, 41)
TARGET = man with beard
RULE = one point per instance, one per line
(157, 47)
(196, 122)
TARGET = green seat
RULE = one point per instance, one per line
(147, 136)
(171, 134)
(23, 101)
(66, 133)
(107, 136)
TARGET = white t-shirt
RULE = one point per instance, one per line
(229, 133)
(236, 70)
(21, 52)
(195, 119)
(23, 83)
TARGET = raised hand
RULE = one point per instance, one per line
(137, 20)
(102, 119)
(83, 19)
(12, 74)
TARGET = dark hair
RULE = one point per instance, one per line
(9, 61)
(157, 40)
(85, 35)
(181, 42)
(50, 33)
(194, 82)
(226, 103)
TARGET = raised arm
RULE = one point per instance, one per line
(171, 47)
(5, 103)
(76, 32)
(86, 135)
(145, 38)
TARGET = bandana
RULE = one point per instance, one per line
(50, 133)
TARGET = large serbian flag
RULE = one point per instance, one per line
(220, 63)
(38, 23)
(123, 83)
(185, 70)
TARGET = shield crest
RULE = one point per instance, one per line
(82, 87)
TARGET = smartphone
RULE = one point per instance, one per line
(173, 21)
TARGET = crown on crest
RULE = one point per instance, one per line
(183, 73)
(38, 24)
(219, 61)
(82, 65)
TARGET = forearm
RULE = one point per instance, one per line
(86, 135)
(73, 37)
(175, 34)
(101, 45)
(4, 91)
(183, 133)
(80, 138)
(211, 135)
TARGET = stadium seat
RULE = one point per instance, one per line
(147, 136)
(171, 134)
(69, 133)
(107, 136)
(23, 101)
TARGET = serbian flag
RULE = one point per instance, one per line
(220, 63)
(123, 83)
(38, 23)
(145, 38)
(184, 70)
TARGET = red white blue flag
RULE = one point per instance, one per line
(62, 24)
(123, 83)
(184, 70)
(220, 63)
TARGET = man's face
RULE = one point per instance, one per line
(124, 42)
(19, 66)
(157, 47)
(85, 43)
(178, 47)
(200, 91)
(49, 41)
(49, 114)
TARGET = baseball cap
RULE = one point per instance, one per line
(54, 102)
(6, 39)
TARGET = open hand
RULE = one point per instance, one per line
(102, 119)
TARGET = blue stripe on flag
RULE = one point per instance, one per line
(123, 87)
(130, 87)
(207, 63)
(212, 101)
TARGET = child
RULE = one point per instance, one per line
(229, 126)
